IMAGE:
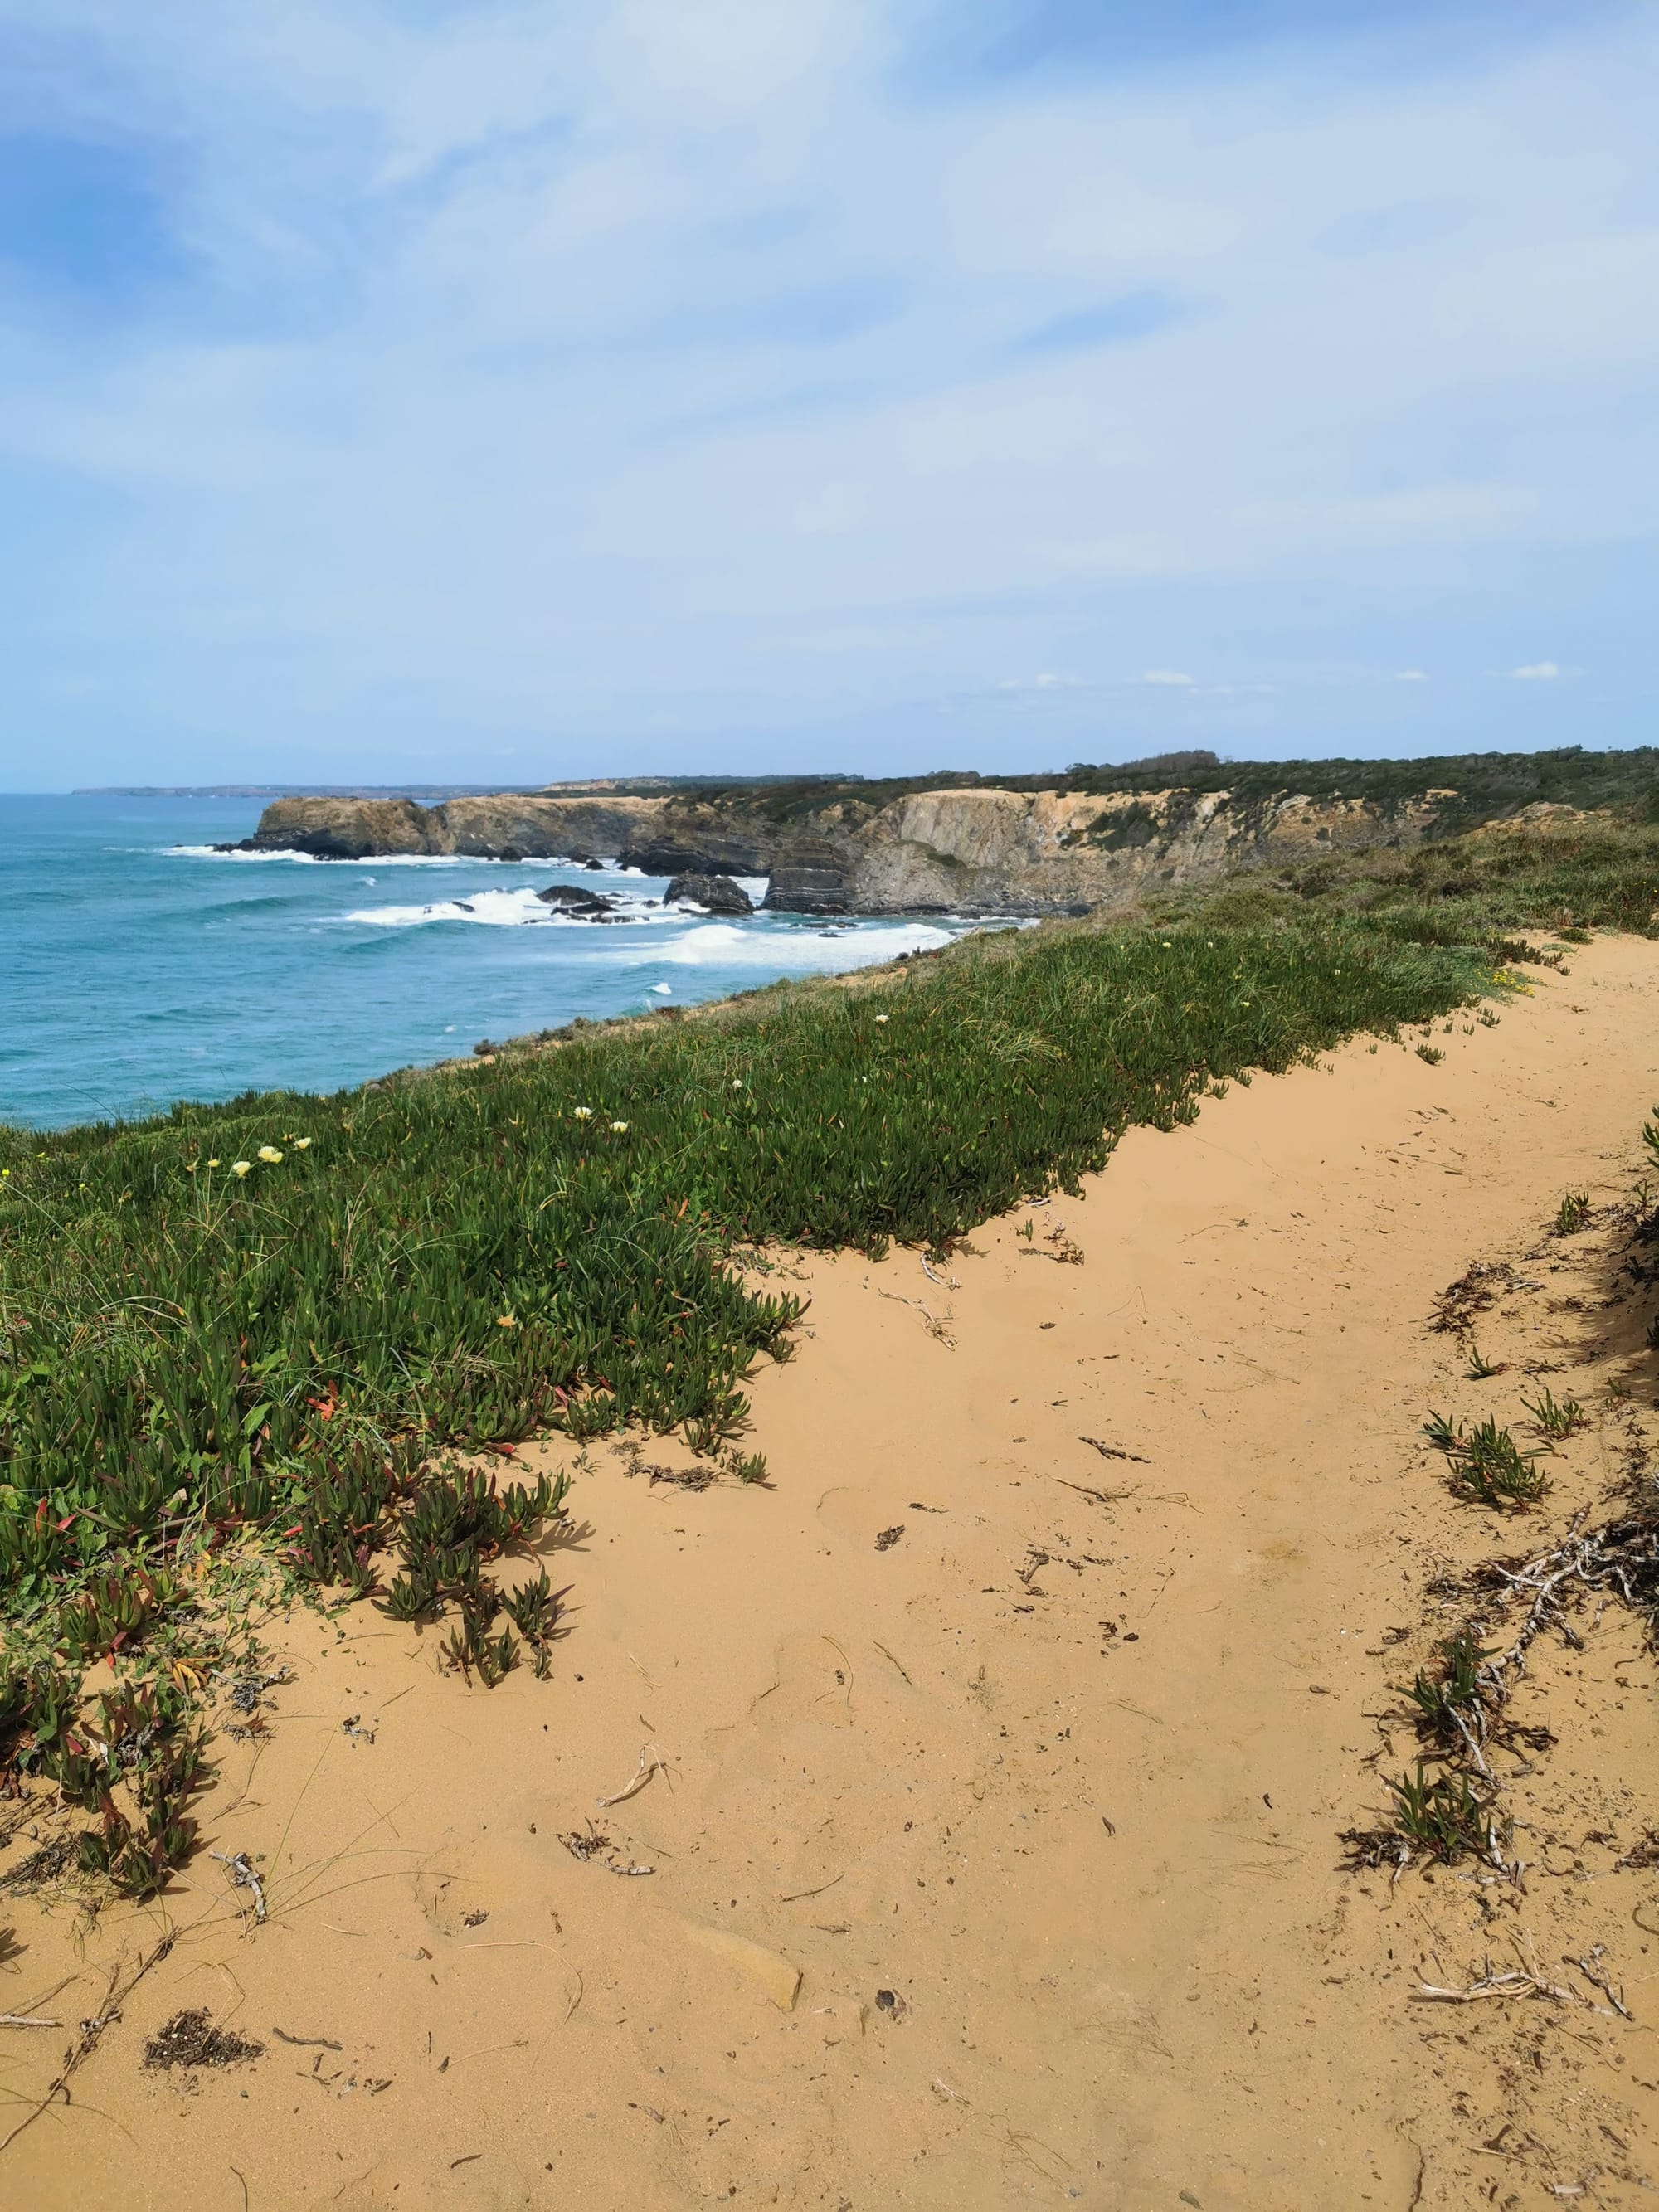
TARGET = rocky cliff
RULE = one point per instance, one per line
(982, 851)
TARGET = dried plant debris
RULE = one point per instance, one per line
(1478, 1288)
(1113, 1451)
(889, 1537)
(50, 1863)
(682, 1478)
(190, 2040)
(595, 1848)
(1448, 1808)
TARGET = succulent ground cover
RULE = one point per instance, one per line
(242, 1345)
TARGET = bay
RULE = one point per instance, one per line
(138, 968)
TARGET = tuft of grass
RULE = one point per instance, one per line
(1443, 1817)
(1451, 1706)
(1572, 1214)
(1431, 1053)
(1480, 1370)
(1487, 1464)
(1555, 1418)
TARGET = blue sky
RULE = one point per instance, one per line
(390, 387)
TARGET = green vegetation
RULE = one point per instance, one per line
(1472, 787)
(1487, 1464)
(1572, 1214)
(242, 1343)
(1481, 888)
(1451, 1706)
(1555, 1417)
(1443, 1817)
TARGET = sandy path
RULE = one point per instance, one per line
(1061, 1773)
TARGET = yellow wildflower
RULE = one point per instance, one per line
(240, 1167)
(270, 1153)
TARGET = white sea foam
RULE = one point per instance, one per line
(385, 859)
(516, 909)
(212, 852)
(728, 944)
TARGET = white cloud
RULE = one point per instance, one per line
(1410, 676)
(650, 372)
(1535, 672)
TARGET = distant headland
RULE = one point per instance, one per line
(962, 842)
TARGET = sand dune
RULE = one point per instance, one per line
(990, 1768)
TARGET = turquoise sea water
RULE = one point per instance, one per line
(138, 968)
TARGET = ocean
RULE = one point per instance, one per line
(138, 967)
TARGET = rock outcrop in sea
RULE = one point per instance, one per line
(713, 894)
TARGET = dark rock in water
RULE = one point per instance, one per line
(809, 881)
(581, 905)
(240, 845)
(715, 894)
(511, 852)
(595, 868)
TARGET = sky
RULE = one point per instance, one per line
(444, 390)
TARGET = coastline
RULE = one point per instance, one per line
(1096, 1873)
(203, 979)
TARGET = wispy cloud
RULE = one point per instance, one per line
(659, 385)
(1113, 322)
(1411, 676)
(1535, 672)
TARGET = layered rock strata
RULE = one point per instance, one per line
(978, 851)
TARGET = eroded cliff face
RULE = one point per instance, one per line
(975, 851)
(508, 827)
(1017, 853)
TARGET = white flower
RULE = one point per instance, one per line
(619, 1128)
(582, 1114)
(269, 1153)
(883, 1018)
(302, 1144)
(240, 1167)
(737, 1083)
